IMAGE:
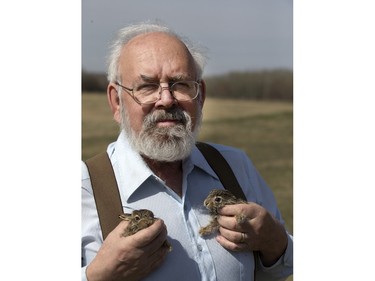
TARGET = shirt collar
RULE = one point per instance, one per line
(131, 170)
(198, 160)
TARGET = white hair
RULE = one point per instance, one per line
(129, 32)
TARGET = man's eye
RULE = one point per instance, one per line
(148, 87)
(183, 86)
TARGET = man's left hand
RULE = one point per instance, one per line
(257, 230)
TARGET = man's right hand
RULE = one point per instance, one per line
(129, 258)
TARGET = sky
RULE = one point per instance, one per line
(238, 35)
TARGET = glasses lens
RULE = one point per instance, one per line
(185, 90)
(147, 93)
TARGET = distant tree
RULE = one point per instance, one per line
(258, 85)
(93, 82)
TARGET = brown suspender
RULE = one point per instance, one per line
(106, 193)
(222, 169)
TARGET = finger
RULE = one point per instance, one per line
(151, 263)
(234, 224)
(144, 264)
(250, 210)
(233, 236)
(157, 243)
(232, 246)
(231, 210)
(145, 236)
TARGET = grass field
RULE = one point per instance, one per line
(264, 130)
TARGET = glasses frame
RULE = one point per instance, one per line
(161, 89)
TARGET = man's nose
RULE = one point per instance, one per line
(166, 97)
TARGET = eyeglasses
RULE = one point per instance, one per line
(149, 93)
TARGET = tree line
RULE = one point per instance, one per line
(257, 85)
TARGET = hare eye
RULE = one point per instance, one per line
(137, 218)
(218, 199)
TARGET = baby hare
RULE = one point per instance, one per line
(215, 200)
(140, 219)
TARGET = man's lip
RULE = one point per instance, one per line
(168, 122)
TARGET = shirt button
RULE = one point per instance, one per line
(199, 247)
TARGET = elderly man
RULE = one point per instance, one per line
(156, 93)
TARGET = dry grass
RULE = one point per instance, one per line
(215, 109)
(98, 127)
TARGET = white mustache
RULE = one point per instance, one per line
(160, 115)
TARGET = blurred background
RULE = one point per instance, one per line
(249, 77)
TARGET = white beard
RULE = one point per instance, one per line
(164, 144)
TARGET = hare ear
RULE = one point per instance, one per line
(125, 216)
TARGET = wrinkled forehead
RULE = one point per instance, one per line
(157, 48)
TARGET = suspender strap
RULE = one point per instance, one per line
(106, 193)
(222, 169)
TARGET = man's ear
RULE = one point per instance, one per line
(114, 101)
(202, 93)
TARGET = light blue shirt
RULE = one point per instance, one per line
(193, 257)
